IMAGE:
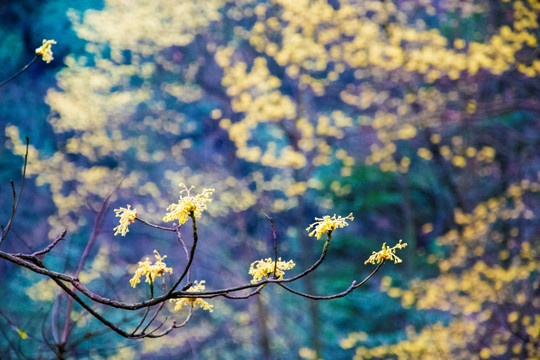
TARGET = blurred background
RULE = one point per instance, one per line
(419, 117)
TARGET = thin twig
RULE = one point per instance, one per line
(16, 198)
(6, 229)
(181, 241)
(154, 226)
(153, 317)
(54, 316)
(51, 245)
(275, 242)
(191, 254)
(182, 324)
(159, 327)
(254, 292)
(82, 262)
(142, 320)
(20, 71)
(351, 288)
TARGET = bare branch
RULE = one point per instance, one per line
(191, 254)
(349, 290)
(16, 199)
(275, 242)
(154, 226)
(142, 320)
(40, 270)
(51, 245)
(254, 292)
(20, 71)
(181, 241)
(153, 317)
(82, 262)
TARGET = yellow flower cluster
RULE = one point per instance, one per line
(146, 27)
(150, 271)
(327, 224)
(255, 93)
(22, 334)
(188, 204)
(433, 342)
(197, 286)
(127, 216)
(386, 254)
(474, 288)
(45, 50)
(265, 267)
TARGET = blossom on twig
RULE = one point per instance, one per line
(197, 286)
(327, 224)
(386, 254)
(127, 216)
(188, 204)
(159, 268)
(265, 267)
(45, 50)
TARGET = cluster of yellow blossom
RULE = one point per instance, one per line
(431, 343)
(327, 224)
(159, 24)
(255, 94)
(386, 254)
(350, 341)
(472, 293)
(159, 268)
(127, 216)
(45, 50)
(473, 288)
(197, 286)
(22, 333)
(188, 204)
(265, 267)
(315, 37)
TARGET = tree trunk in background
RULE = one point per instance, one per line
(306, 249)
(262, 316)
(408, 215)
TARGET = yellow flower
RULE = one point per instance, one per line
(386, 254)
(197, 286)
(127, 216)
(22, 334)
(150, 271)
(265, 267)
(188, 204)
(327, 224)
(45, 50)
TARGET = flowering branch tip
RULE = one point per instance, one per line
(159, 268)
(265, 267)
(188, 205)
(386, 253)
(327, 224)
(127, 216)
(45, 50)
(197, 286)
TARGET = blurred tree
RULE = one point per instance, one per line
(413, 114)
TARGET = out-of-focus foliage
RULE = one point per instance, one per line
(419, 117)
